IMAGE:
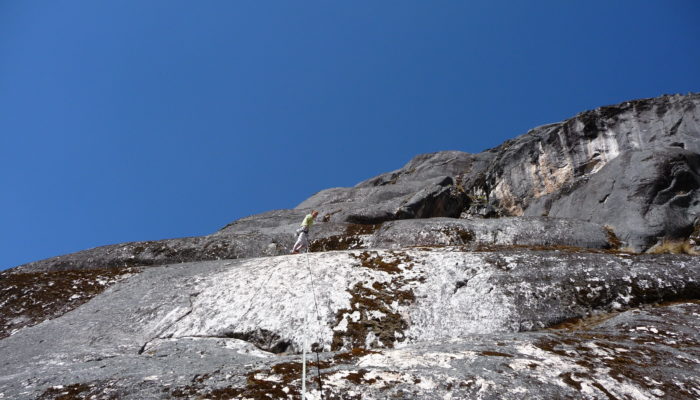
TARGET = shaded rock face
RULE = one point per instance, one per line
(548, 158)
(433, 197)
(507, 274)
(633, 166)
(552, 167)
(647, 195)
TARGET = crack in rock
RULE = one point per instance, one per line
(166, 328)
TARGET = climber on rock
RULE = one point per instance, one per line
(303, 232)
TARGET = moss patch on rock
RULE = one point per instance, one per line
(639, 355)
(373, 319)
(280, 381)
(70, 392)
(352, 355)
(102, 390)
(30, 298)
(493, 248)
(668, 246)
(350, 240)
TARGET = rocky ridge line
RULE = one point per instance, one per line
(633, 167)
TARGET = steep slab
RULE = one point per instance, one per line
(362, 298)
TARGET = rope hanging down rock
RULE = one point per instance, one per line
(319, 336)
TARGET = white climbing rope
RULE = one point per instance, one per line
(303, 358)
(319, 338)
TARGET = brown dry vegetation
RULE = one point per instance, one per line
(614, 242)
(567, 249)
(674, 247)
(636, 361)
(350, 240)
(373, 304)
(29, 298)
(101, 390)
(70, 392)
(282, 380)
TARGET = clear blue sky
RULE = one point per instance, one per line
(142, 120)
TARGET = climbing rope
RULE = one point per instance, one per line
(319, 336)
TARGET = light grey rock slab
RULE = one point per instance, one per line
(268, 222)
(523, 231)
(272, 240)
(118, 321)
(219, 246)
(647, 353)
(399, 296)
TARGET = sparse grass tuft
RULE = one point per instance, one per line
(614, 242)
(350, 240)
(375, 305)
(669, 246)
(32, 297)
(486, 248)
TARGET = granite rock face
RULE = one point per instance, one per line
(513, 273)
(549, 158)
(650, 147)
(242, 240)
(432, 323)
(648, 195)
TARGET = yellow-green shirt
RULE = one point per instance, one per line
(308, 221)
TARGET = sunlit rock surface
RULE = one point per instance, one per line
(456, 322)
(277, 240)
